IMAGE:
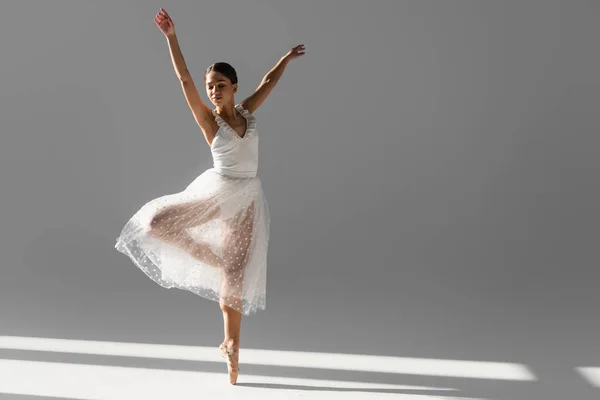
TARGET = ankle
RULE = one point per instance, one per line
(231, 342)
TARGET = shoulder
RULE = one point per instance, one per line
(242, 108)
(247, 107)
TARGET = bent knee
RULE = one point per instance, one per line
(158, 224)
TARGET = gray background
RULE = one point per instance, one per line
(430, 166)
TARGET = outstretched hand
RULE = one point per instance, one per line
(165, 23)
(296, 52)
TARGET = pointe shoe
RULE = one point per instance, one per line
(231, 355)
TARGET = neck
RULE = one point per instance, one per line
(227, 110)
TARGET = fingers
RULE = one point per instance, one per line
(162, 16)
(163, 20)
(159, 22)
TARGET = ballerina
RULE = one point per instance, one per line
(212, 237)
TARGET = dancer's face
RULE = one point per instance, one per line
(219, 88)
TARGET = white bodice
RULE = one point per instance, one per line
(233, 155)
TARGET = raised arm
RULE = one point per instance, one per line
(202, 113)
(270, 80)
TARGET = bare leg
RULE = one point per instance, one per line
(237, 246)
(230, 348)
(169, 225)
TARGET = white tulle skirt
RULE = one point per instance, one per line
(210, 239)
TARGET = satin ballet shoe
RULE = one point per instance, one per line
(231, 355)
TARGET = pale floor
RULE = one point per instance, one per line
(35, 380)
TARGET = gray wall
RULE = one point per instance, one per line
(431, 170)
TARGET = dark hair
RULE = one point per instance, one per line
(223, 68)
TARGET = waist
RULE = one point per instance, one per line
(232, 173)
(235, 167)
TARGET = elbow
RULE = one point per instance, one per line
(269, 83)
(184, 77)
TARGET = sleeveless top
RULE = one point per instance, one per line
(233, 155)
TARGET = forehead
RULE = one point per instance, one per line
(215, 77)
(212, 81)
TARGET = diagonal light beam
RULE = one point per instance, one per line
(101, 382)
(591, 374)
(284, 358)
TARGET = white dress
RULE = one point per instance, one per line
(212, 237)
